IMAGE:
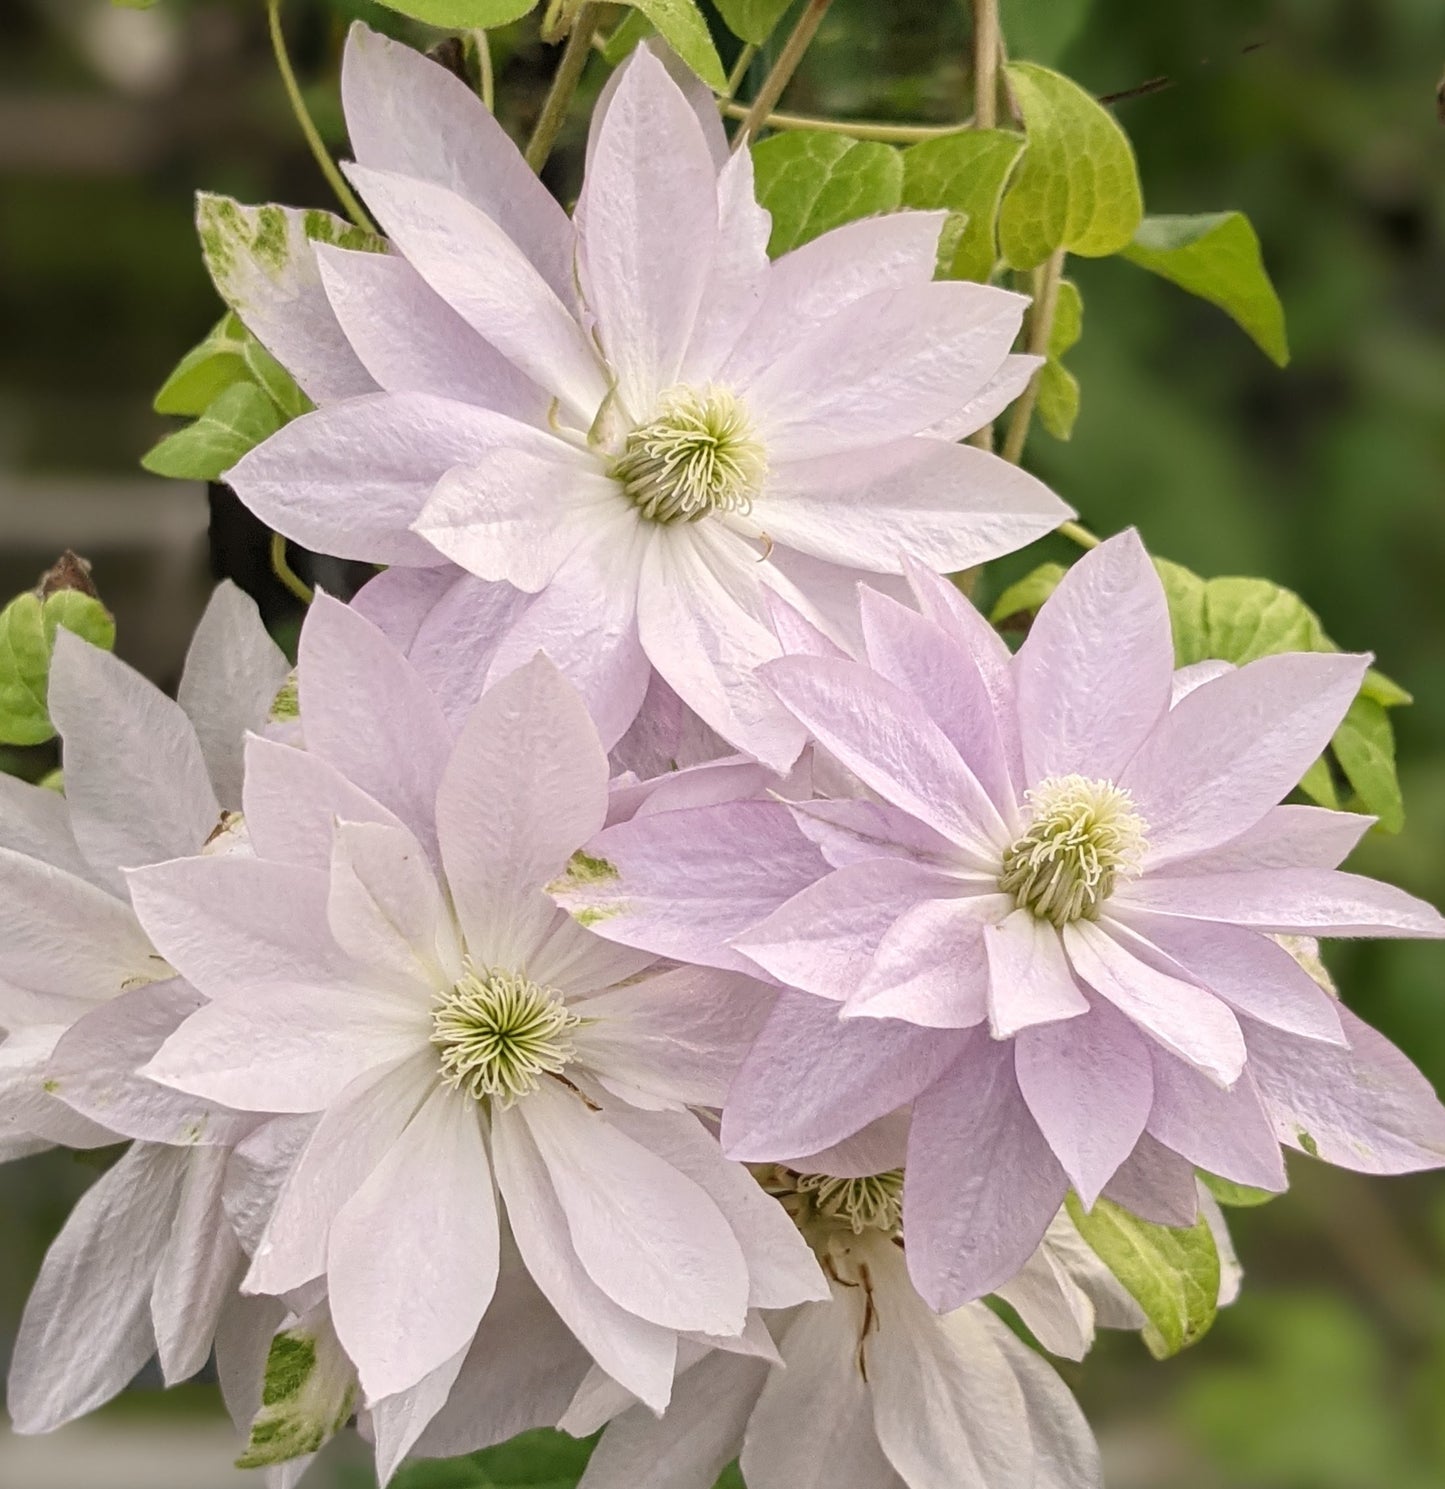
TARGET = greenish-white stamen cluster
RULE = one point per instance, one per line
(1083, 837)
(699, 454)
(500, 1033)
(873, 1202)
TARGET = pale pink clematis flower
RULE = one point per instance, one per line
(147, 1264)
(629, 420)
(388, 959)
(1048, 923)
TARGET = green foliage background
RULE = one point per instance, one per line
(1328, 477)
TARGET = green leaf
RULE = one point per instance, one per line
(535, 1460)
(206, 371)
(27, 638)
(459, 15)
(1364, 744)
(236, 422)
(1058, 402)
(1239, 1196)
(752, 20)
(632, 29)
(1383, 690)
(681, 25)
(965, 173)
(1318, 783)
(1077, 186)
(1025, 597)
(1173, 1275)
(1216, 256)
(278, 384)
(811, 181)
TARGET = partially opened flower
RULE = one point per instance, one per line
(388, 959)
(1049, 926)
(630, 420)
(147, 1263)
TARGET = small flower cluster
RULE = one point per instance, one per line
(660, 961)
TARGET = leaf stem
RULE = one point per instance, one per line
(564, 86)
(740, 70)
(288, 576)
(344, 193)
(859, 129)
(486, 77)
(1041, 326)
(782, 70)
(986, 41)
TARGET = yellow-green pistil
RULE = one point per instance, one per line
(699, 454)
(499, 1034)
(1083, 837)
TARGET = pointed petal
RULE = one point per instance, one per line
(1287, 837)
(398, 1421)
(1065, 1453)
(991, 400)
(35, 823)
(861, 831)
(1029, 978)
(1156, 1184)
(1226, 1133)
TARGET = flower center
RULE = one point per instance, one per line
(499, 1034)
(699, 454)
(823, 1206)
(1082, 837)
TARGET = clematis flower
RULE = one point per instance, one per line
(1048, 923)
(387, 958)
(877, 1391)
(626, 428)
(147, 1263)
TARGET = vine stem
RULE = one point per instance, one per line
(858, 129)
(486, 77)
(986, 39)
(344, 193)
(1041, 326)
(281, 568)
(740, 71)
(564, 86)
(798, 42)
(1078, 533)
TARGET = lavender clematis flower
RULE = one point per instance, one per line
(627, 427)
(1048, 924)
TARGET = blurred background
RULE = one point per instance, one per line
(1319, 118)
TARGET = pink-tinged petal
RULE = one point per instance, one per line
(349, 479)
(359, 1127)
(86, 1329)
(636, 206)
(586, 622)
(700, 99)
(1089, 1084)
(813, 1080)
(824, 939)
(666, 736)
(946, 1404)
(1029, 978)
(406, 114)
(874, 1149)
(93, 1070)
(293, 799)
(702, 621)
(1227, 1133)
(398, 601)
(1187, 679)
(197, 1272)
(637, 1354)
(886, 366)
(923, 659)
(947, 506)
(1094, 674)
(1254, 974)
(578, 963)
(518, 511)
(679, 1036)
(1302, 902)
(487, 279)
(384, 907)
(887, 739)
(860, 831)
(798, 636)
(825, 593)
(1156, 1184)
(1365, 1107)
(1288, 837)
(688, 1448)
(983, 1183)
(526, 786)
(732, 778)
(228, 923)
(286, 1048)
(135, 778)
(930, 967)
(398, 1421)
(1006, 384)
(412, 341)
(370, 715)
(648, 1236)
(684, 883)
(405, 1306)
(807, 287)
(1225, 755)
(61, 935)
(782, 1270)
(35, 823)
(1183, 1018)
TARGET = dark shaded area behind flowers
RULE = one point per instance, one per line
(1328, 477)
